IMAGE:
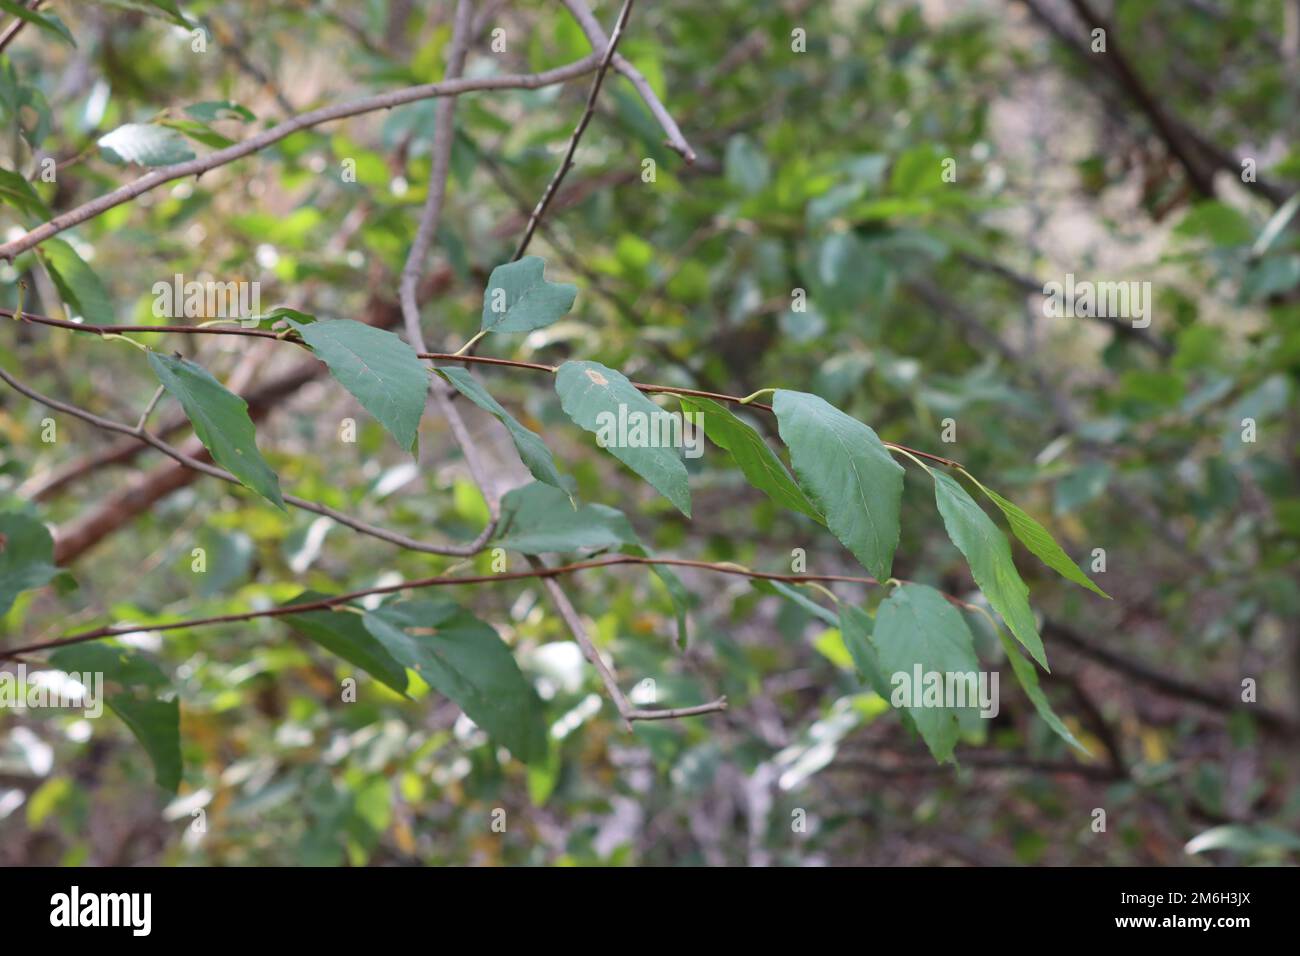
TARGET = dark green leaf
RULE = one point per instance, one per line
(220, 420)
(77, 283)
(157, 725)
(598, 399)
(518, 299)
(1039, 541)
(343, 633)
(46, 20)
(532, 450)
(1028, 678)
(19, 193)
(916, 625)
(847, 473)
(463, 658)
(381, 371)
(989, 555)
(759, 464)
(26, 557)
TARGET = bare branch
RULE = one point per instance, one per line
(596, 36)
(567, 163)
(326, 114)
(196, 464)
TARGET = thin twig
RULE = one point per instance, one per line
(540, 570)
(326, 114)
(194, 464)
(647, 387)
(578, 130)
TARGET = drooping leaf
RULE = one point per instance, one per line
(1028, 678)
(518, 299)
(121, 665)
(540, 519)
(145, 144)
(532, 450)
(914, 626)
(381, 371)
(162, 9)
(599, 399)
(46, 20)
(77, 283)
(26, 557)
(847, 473)
(988, 553)
(220, 420)
(464, 659)
(1040, 541)
(344, 633)
(210, 110)
(797, 597)
(759, 464)
(856, 627)
(19, 193)
(157, 725)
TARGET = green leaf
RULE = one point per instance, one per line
(1028, 678)
(157, 725)
(146, 144)
(162, 9)
(221, 421)
(747, 169)
(464, 659)
(759, 464)
(77, 283)
(210, 110)
(20, 194)
(540, 519)
(518, 299)
(989, 555)
(381, 371)
(46, 21)
(916, 625)
(593, 396)
(532, 450)
(848, 474)
(26, 557)
(1038, 540)
(797, 597)
(343, 633)
(120, 665)
(856, 627)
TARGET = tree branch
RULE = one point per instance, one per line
(198, 166)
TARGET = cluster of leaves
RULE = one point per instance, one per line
(804, 182)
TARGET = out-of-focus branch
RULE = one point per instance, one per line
(567, 163)
(596, 36)
(326, 114)
(195, 463)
